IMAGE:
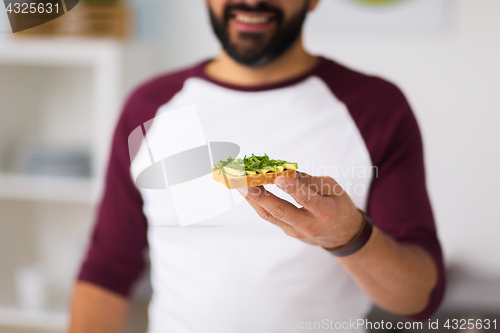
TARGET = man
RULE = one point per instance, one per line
(267, 94)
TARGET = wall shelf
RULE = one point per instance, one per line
(13, 317)
(47, 189)
(58, 52)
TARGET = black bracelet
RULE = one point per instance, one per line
(358, 242)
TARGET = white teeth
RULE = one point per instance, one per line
(251, 19)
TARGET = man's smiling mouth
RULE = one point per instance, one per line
(248, 17)
(251, 19)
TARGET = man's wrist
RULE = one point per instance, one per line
(349, 231)
(358, 241)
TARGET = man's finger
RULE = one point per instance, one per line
(305, 195)
(264, 214)
(276, 207)
(322, 185)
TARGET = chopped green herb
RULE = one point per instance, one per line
(260, 164)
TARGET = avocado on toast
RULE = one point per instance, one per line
(252, 171)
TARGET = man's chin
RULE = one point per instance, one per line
(248, 54)
(251, 61)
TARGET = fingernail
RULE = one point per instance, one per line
(243, 191)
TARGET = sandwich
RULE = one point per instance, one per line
(252, 171)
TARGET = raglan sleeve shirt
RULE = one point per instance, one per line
(398, 202)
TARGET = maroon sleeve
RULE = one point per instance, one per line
(115, 257)
(398, 202)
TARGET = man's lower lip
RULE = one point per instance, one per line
(246, 27)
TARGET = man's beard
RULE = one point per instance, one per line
(262, 53)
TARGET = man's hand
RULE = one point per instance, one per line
(398, 277)
(327, 218)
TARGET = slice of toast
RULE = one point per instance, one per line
(234, 182)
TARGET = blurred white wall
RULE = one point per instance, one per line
(451, 77)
